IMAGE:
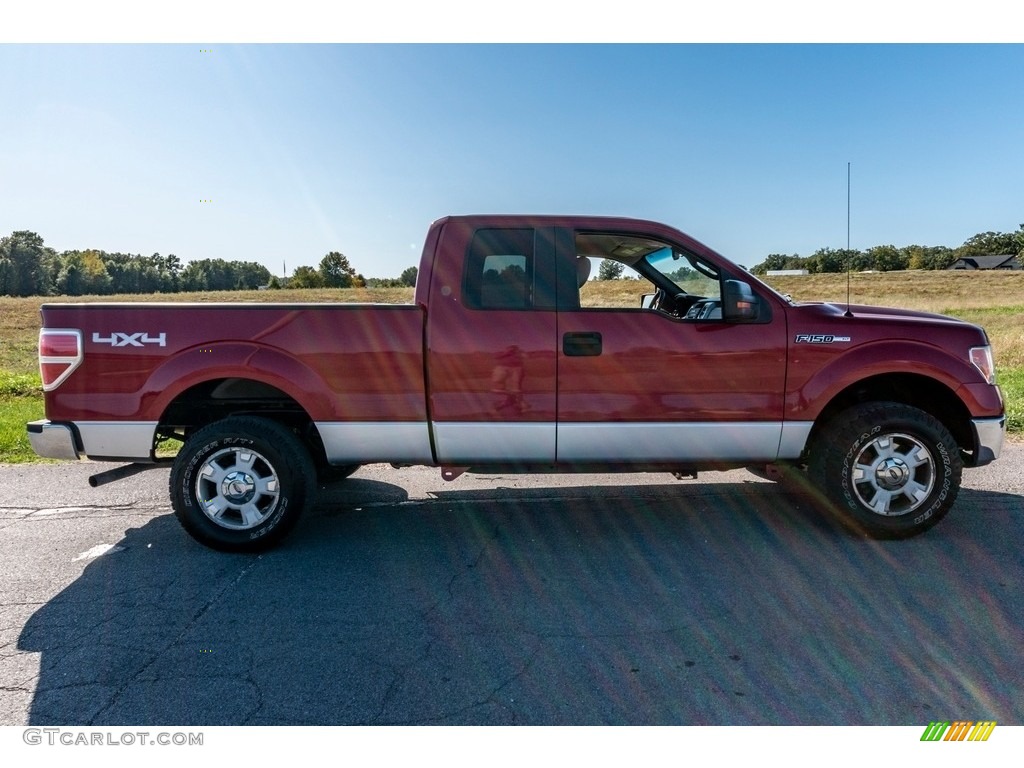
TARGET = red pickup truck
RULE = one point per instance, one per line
(504, 363)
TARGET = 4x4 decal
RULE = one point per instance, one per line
(118, 339)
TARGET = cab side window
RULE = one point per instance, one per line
(500, 269)
(611, 285)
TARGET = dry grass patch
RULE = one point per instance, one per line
(993, 300)
(614, 293)
(945, 292)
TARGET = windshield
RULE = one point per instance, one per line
(689, 274)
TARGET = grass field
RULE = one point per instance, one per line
(994, 300)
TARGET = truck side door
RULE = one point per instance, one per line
(651, 385)
(491, 336)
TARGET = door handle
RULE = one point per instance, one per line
(581, 344)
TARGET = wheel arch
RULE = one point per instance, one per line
(243, 361)
(214, 400)
(205, 384)
(913, 389)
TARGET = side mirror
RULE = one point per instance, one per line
(739, 302)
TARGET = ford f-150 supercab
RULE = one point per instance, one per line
(499, 365)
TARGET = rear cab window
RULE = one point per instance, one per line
(500, 270)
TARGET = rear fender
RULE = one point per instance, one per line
(235, 360)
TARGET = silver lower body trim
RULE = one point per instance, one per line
(989, 435)
(668, 442)
(471, 443)
(794, 438)
(494, 442)
(117, 440)
(362, 442)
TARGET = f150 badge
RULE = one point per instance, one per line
(118, 339)
(820, 338)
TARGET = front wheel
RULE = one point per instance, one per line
(889, 469)
(239, 485)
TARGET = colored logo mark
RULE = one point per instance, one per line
(960, 730)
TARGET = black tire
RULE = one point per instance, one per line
(887, 469)
(240, 484)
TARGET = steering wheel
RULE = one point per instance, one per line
(671, 306)
(704, 309)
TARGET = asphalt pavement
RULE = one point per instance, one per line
(574, 600)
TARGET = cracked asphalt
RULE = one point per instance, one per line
(402, 599)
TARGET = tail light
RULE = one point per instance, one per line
(60, 352)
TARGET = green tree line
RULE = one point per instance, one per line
(335, 271)
(888, 258)
(29, 268)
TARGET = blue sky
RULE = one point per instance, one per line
(304, 149)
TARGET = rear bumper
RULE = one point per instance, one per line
(989, 435)
(53, 441)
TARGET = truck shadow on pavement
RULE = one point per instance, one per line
(726, 604)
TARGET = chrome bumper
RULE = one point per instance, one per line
(52, 441)
(989, 435)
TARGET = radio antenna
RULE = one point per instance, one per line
(848, 312)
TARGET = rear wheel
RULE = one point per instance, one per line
(887, 469)
(240, 484)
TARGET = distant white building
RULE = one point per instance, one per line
(784, 272)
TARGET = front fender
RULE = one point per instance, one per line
(815, 380)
